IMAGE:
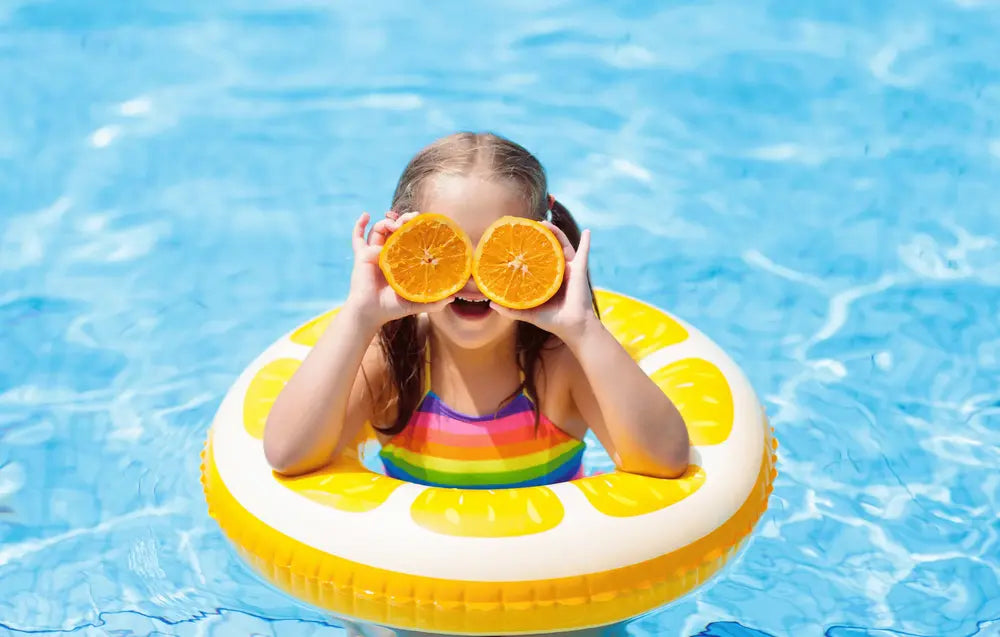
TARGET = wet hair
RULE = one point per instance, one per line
(493, 157)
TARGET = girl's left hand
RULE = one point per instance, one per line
(571, 309)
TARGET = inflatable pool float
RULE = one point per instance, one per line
(585, 553)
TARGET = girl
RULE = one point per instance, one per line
(519, 389)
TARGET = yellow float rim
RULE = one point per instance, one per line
(367, 593)
(400, 600)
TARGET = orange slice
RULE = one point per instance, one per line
(519, 263)
(428, 259)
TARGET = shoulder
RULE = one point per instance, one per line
(558, 373)
(377, 377)
(559, 365)
(375, 360)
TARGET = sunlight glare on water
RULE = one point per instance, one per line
(815, 185)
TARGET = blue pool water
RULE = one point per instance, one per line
(814, 184)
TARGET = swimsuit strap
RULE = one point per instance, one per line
(427, 365)
(427, 371)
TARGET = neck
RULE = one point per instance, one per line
(475, 379)
(498, 355)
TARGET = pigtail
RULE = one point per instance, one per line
(532, 340)
(403, 356)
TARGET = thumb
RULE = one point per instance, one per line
(436, 306)
(505, 312)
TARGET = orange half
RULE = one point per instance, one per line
(428, 259)
(519, 263)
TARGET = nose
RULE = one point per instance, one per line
(471, 291)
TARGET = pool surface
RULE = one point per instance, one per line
(816, 185)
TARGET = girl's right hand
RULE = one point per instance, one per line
(370, 294)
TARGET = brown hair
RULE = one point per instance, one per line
(463, 154)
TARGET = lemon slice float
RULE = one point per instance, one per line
(572, 555)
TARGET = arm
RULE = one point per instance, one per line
(635, 421)
(327, 401)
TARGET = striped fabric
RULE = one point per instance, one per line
(442, 447)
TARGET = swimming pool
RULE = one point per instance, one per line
(816, 185)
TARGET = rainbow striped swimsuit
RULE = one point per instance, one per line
(442, 447)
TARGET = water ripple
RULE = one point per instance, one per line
(815, 185)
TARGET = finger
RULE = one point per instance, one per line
(358, 238)
(397, 306)
(437, 306)
(392, 214)
(517, 315)
(409, 308)
(568, 250)
(499, 309)
(583, 254)
(403, 218)
(381, 231)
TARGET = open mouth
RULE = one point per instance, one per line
(470, 309)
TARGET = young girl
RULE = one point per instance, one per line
(465, 392)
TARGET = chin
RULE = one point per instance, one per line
(471, 332)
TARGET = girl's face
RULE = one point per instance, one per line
(474, 203)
